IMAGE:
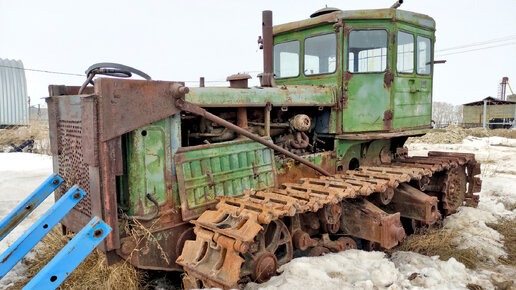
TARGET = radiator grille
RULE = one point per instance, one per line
(71, 164)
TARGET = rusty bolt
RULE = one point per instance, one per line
(77, 195)
(55, 181)
(128, 247)
(241, 247)
(98, 233)
(178, 90)
(184, 90)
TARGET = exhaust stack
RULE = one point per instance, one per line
(267, 79)
(397, 4)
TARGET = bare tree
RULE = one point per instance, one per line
(446, 114)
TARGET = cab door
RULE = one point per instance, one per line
(367, 79)
(412, 100)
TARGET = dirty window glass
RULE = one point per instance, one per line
(424, 55)
(367, 51)
(286, 59)
(405, 62)
(320, 54)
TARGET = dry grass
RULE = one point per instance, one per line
(18, 134)
(92, 272)
(508, 229)
(439, 242)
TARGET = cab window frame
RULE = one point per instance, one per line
(336, 53)
(429, 38)
(299, 54)
(414, 52)
(347, 52)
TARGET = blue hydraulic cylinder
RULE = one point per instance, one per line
(29, 204)
(70, 256)
(39, 229)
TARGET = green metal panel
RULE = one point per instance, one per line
(412, 102)
(223, 169)
(258, 97)
(149, 166)
(367, 102)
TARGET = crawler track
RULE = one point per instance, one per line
(247, 238)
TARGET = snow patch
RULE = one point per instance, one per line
(355, 269)
(20, 174)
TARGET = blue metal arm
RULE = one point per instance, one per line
(70, 256)
(29, 204)
(39, 229)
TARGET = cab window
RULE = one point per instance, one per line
(286, 59)
(320, 54)
(424, 55)
(405, 57)
(367, 51)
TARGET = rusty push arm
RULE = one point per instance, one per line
(194, 109)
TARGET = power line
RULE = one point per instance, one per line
(501, 39)
(43, 71)
(475, 49)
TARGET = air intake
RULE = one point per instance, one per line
(323, 11)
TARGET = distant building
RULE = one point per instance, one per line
(499, 113)
(14, 102)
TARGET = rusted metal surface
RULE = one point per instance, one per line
(388, 79)
(387, 119)
(108, 184)
(301, 122)
(365, 220)
(242, 118)
(66, 137)
(414, 204)
(126, 105)
(267, 78)
(158, 253)
(382, 136)
(85, 135)
(238, 81)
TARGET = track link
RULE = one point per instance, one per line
(245, 237)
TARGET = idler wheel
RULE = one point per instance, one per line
(454, 192)
(271, 249)
(265, 267)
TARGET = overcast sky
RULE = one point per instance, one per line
(183, 40)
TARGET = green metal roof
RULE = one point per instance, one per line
(333, 17)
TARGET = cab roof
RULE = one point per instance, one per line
(333, 17)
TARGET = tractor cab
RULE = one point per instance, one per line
(380, 62)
